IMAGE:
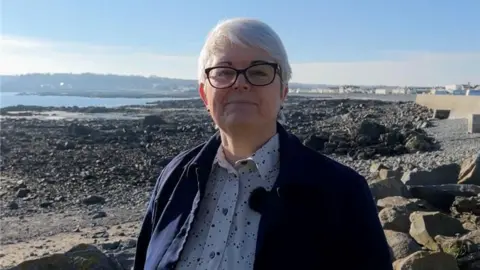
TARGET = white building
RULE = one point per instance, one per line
(453, 87)
(399, 91)
(382, 91)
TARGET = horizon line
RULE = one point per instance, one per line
(183, 79)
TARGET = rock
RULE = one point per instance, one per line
(99, 214)
(470, 171)
(316, 142)
(396, 211)
(413, 204)
(466, 248)
(425, 260)
(376, 167)
(23, 192)
(13, 205)
(386, 174)
(401, 244)
(383, 188)
(460, 246)
(153, 120)
(442, 196)
(425, 226)
(110, 245)
(80, 257)
(418, 142)
(395, 219)
(470, 262)
(75, 129)
(424, 124)
(445, 174)
(125, 257)
(129, 243)
(93, 199)
(52, 262)
(466, 205)
(454, 189)
(370, 131)
(61, 145)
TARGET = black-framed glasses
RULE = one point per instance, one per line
(261, 74)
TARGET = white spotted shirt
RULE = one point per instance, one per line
(224, 233)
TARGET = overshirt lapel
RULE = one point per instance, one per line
(186, 198)
(289, 164)
(180, 206)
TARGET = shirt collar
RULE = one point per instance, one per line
(265, 158)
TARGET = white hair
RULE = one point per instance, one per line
(248, 33)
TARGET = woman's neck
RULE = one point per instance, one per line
(237, 146)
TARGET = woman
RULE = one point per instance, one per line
(253, 197)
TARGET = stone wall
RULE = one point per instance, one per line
(459, 106)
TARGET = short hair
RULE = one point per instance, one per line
(249, 33)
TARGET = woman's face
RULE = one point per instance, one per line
(250, 100)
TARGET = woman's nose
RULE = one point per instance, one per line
(241, 83)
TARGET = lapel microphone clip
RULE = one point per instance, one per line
(258, 198)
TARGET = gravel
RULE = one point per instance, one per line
(455, 146)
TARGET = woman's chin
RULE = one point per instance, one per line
(241, 120)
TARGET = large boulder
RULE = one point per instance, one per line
(80, 257)
(384, 188)
(413, 204)
(443, 196)
(425, 226)
(401, 244)
(395, 219)
(425, 260)
(466, 205)
(470, 171)
(396, 211)
(445, 174)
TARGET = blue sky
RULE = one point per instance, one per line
(327, 41)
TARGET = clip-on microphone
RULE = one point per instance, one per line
(257, 199)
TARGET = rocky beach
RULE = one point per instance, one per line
(77, 179)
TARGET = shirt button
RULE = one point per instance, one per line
(212, 255)
(224, 211)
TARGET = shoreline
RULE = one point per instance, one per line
(105, 94)
(174, 101)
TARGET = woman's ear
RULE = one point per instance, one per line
(284, 93)
(203, 94)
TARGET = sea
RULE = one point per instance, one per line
(13, 99)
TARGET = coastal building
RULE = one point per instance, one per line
(400, 91)
(452, 87)
(421, 90)
(383, 91)
(349, 89)
(439, 91)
